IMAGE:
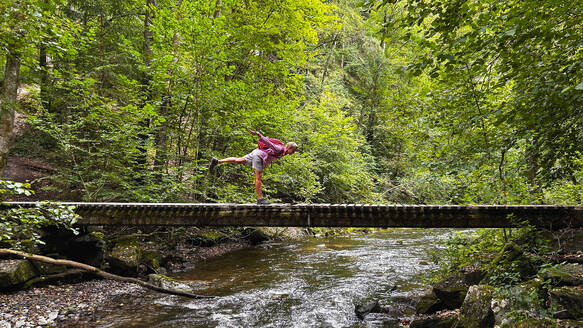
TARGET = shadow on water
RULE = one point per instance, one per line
(311, 283)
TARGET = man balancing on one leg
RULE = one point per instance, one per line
(268, 151)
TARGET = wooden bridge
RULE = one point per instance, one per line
(324, 215)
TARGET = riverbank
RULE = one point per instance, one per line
(76, 305)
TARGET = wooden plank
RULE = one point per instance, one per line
(332, 215)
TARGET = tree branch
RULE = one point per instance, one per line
(12, 253)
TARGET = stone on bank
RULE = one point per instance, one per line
(14, 273)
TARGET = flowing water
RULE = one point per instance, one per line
(311, 283)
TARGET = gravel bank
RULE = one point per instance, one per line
(60, 306)
(77, 305)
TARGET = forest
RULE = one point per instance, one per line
(389, 102)
(423, 102)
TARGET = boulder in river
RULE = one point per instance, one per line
(255, 236)
(169, 283)
(364, 309)
(381, 320)
(428, 303)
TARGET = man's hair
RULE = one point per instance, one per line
(292, 144)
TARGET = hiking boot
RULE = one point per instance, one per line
(213, 163)
(262, 201)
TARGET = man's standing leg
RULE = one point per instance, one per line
(258, 184)
(260, 199)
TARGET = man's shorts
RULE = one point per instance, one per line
(254, 160)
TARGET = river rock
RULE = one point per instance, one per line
(476, 311)
(511, 257)
(88, 248)
(472, 275)
(67, 276)
(14, 273)
(536, 323)
(399, 309)
(564, 274)
(255, 236)
(169, 283)
(501, 307)
(208, 238)
(451, 291)
(570, 298)
(124, 258)
(152, 259)
(47, 268)
(442, 320)
(381, 320)
(362, 310)
(428, 303)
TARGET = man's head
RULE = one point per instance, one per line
(290, 148)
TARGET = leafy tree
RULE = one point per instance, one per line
(20, 227)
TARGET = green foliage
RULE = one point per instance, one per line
(390, 101)
(20, 227)
(507, 256)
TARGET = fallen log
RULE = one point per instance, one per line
(12, 253)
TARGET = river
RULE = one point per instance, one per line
(308, 283)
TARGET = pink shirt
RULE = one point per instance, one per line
(271, 153)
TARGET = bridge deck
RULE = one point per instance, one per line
(324, 215)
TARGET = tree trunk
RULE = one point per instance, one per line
(72, 264)
(8, 102)
(218, 5)
(161, 139)
(142, 156)
(44, 72)
(148, 35)
(44, 77)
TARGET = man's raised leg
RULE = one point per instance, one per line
(215, 162)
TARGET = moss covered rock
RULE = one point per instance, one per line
(169, 283)
(364, 309)
(511, 259)
(447, 320)
(428, 303)
(88, 248)
(124, 258)
(152, 259)
(255, 236)
(451, 291)
(47, 268)
(14, 273)
(564, 274)
(476, 311)
(570, 298)
(536, 323)
(207, 238)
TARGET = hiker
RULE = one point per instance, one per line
(268, 151)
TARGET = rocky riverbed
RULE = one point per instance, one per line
(76, 305)
(70, 305)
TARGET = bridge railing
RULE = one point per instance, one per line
(324, 215)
